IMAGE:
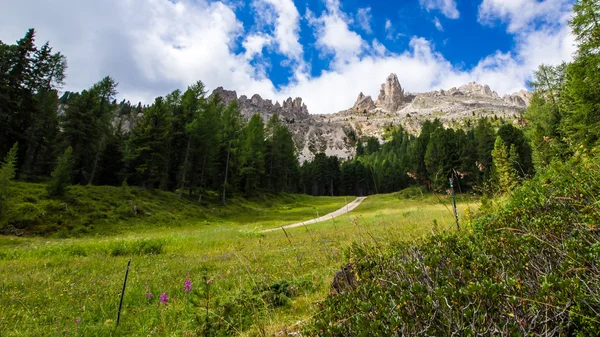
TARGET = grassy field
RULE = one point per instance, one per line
(251, 283)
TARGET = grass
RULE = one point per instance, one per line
(262, 283)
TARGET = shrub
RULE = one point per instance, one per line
(25, 215)
(412, 192)
(531, 268)
(247, 306)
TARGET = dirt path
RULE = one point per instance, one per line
(350, 206)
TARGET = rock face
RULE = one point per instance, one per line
(391, 94)
(521, 98)
(477, 90)
(290, 111)
(363, 103)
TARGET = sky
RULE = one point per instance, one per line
(325, 51)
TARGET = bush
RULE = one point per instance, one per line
(25, 215)
(412, 192)
(248, 306)
(531, 268)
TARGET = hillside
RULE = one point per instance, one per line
(108, 210)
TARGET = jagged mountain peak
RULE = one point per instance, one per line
(363, 103)
(290, 110)
(391, 94)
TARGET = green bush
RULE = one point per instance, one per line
(125, 211)
(243, 310)
(531, 269)
(25, 215)
(412, 192)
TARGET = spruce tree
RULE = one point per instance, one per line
(62, 175)
(252, 154)
(505, 175)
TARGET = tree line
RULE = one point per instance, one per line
(185, 141)
(473, 158)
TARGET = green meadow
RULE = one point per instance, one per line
(243, 282)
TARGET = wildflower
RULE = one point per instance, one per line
(78, 320)
(148, 296)
(164, 298)
(187, 286)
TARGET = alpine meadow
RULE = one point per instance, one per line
(435, 212)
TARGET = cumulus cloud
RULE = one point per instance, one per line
(284, 15)
(155, 46)
(447, 7)
(334, 35)
(522, 14)
(364, 17)
(254, 44)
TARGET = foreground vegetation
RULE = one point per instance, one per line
(243, 282)
(529, 268)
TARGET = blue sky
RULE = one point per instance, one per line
(325, 51)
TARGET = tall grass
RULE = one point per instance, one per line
(260, 284)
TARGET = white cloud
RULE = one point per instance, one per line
(286, 21)
(364, 17)
(155, 46)
(254, 44)
(438, 24)
(334, 35)
(447, 7)
(521, 14)
(379, 48)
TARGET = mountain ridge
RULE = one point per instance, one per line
(336, 133)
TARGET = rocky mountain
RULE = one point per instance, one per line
(336, 134)
(289, 111)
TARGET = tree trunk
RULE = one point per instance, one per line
(331, 186)
(96, 161)
(223, 200)
(202, 179)
(185, 161)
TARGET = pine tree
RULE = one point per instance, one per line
(105, 91)
(504, 173)
(281, 162)
(62, 175)
(230, 129)
(484, 141)
(194, 107)
(148, 145)
(252, 154)
(586, 26)
(209, 139)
